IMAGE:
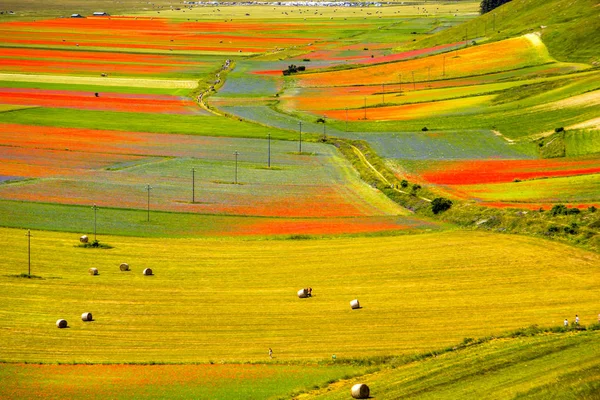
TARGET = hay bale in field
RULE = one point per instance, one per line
(147, 271)
(303, 293)
(83, 239)
(124, 267)
(93, 271)
(354, 304)
(86, 316)
(360, 391)
(61, 323)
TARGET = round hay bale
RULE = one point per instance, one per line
(355, 304)
(303, 293)
(86, 316)
(83, 239)
(124, 267)
(93, 271)
(360, 391)
(61, 323)
(147, 271)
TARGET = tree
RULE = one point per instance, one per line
(440, 204)
(488, 5)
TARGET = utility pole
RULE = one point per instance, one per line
(28, 234)
(466, 37)
(236, 154)
(400, 82)
(95, 208)
(383, 93)
(429, 75)
(413, 75)
(346, 119)
(269, 157)
(365, 108)
(444, 66)
(324, 135)
(148, 189)
(193, 185)
(300, 142)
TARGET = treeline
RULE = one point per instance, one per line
(488, 5)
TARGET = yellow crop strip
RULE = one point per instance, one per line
(232, 300)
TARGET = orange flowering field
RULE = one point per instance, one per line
(481, 59)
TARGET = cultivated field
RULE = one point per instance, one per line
(239, 185)
(231, 300)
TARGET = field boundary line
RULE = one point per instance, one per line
(382, 178)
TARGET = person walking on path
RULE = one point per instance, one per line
(566, 323)
(270, 352)
(576, 319)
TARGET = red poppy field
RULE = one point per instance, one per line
(149, 33)
(516, 183)
(112, 168)
(100, 101)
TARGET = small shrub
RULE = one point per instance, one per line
(516, 180)
(299, 237)
(572, 229)
(404, 183)
(559, 209)
(553, 229)
(306, 59)
(424, 129)
(559, 129)
(415, 187)
(573, 211)
(592, 209)
(440, 204)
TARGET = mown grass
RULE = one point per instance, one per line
(539, 367)
(232, 300)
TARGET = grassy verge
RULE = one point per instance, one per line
(580, 229)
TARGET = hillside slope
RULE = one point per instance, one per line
(560, 366)
(569, 28)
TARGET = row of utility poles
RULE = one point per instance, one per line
(236, 154)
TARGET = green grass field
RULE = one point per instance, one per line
(203, 381)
